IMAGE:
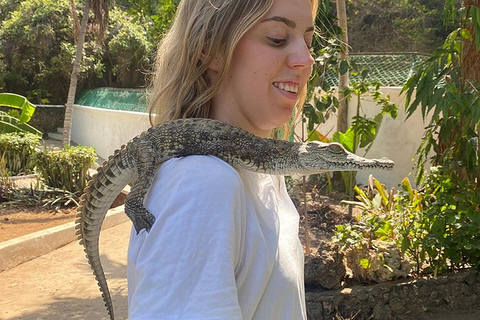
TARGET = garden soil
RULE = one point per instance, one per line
(21, 220)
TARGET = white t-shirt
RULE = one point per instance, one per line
(224, 246)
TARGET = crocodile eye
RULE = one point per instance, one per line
(336, 148)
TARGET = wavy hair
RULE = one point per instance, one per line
(201, 31)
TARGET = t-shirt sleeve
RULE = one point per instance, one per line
(184, 268)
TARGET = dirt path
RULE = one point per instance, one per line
(60, 285)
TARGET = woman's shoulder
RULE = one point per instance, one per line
(198, 168)
(192, 180)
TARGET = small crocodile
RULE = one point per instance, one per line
(136, 162)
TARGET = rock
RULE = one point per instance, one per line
(326, 267)
(383, 262)
(450, 296)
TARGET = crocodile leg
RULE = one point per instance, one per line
(146, 166)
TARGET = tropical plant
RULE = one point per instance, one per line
(16, 122)
(377, 220)
(446, 92)
(65, 169)
(436, 226)
(451, 220)
(40, 195)
(17, 151)
(386, 216)
(371, 242)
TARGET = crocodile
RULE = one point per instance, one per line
(135, 164)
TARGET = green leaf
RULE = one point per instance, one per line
(365, 263)
(343, 67)
(345, 139)
(12, 124)
(466, 34)
(315, 135)
(475, 14)
(381, 191)
(17, 101)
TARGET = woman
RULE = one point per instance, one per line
(225, 242)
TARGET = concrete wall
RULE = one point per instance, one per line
(397, 139)
(106, 130)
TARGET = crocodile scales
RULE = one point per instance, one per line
(136, 162)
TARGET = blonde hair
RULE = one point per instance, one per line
(202, 30)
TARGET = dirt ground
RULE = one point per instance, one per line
(60, 285)
(19, 221)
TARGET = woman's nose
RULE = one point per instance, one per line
(300, 56)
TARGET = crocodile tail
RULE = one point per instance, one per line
(95, 202)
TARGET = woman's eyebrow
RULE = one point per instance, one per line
(288, 22)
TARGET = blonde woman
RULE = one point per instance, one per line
(225, 242)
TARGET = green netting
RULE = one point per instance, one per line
(115, 99)
(391, 70)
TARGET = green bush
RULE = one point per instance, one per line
(17, 150)
(452, 221)
(437, 226)
(128, 51)
(36, 36)
(66, 169)
(37, 47)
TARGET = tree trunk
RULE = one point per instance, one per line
(67, 123)
(470, 63)
(76, 24)
(470, 59)
(343, 79)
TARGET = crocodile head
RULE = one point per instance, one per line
(319, 156)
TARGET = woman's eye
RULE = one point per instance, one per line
(310, 47)
(309, 43)
(277, 42)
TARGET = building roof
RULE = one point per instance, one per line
(390, 69)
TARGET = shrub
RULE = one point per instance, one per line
(452, 220)
(371, 243)
(435, 226)
(66, 169)
(36, 41)
(17, 150)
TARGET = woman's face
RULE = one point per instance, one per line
(270, 66)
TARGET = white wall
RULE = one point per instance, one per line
(106, 130)
(397, 139)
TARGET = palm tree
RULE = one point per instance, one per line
(100, 11)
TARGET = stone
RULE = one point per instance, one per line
(386, 263)
(326, 267)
